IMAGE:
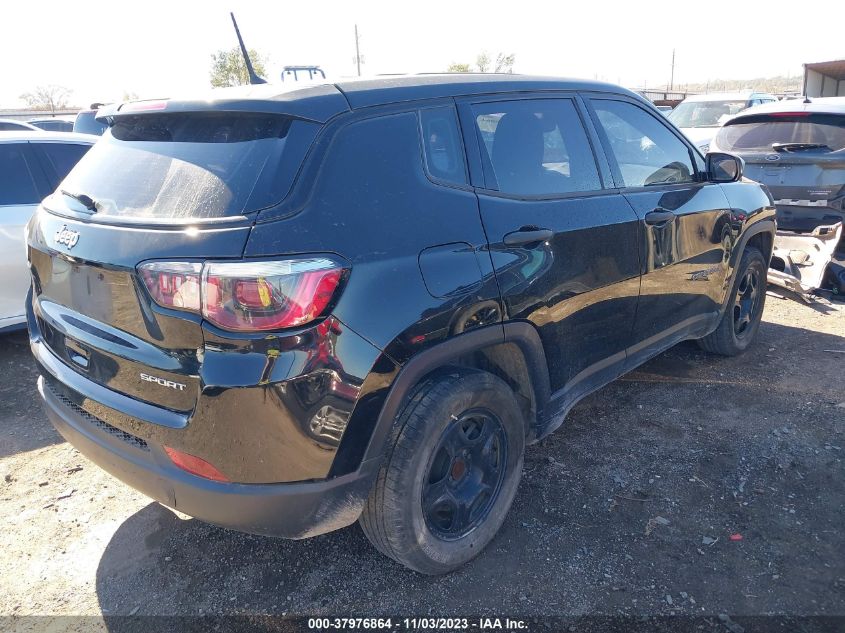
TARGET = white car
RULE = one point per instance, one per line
(701, 116)
(32, 164)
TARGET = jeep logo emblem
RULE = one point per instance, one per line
(67, 236)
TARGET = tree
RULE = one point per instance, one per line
(458, 68)
(51, 97)
(504, 63)
(484, 64)
(228, 67)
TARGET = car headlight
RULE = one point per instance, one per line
(704, 148)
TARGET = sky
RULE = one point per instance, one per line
(155, 48)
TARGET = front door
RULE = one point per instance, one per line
(685, 225)
(19, 197)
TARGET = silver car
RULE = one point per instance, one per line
(797, 149)
(32, 164)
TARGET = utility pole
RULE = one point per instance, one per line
(672, 77)
(357, 52)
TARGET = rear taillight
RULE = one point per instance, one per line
(247, 296)
(173, 284)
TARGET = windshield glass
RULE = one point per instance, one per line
(760, 132)
(192, 165)
(86, 124)
(704, 113)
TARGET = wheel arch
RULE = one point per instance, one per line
(512, 351)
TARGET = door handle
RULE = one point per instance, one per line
(527, 236)
(659, 216)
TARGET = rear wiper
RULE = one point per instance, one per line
(87, 201)
(792, 147)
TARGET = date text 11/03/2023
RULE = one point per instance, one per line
(418, 624)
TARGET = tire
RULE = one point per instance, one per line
(741, 319)
(461, 436)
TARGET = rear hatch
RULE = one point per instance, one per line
(159, 186)
(799, 156)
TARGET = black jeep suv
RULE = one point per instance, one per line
(282, 312)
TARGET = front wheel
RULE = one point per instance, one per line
(741, 318)
(451, 474)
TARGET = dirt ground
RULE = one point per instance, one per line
(696, 485)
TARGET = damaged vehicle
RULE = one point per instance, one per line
(797, 149)
(284, 309)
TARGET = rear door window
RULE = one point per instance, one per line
(60, 158)
(192, 166)
(798, 131)
(535, 147)
(17, 185)
(647, 153)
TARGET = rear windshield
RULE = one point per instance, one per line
(192, 166)
(705, 113)
(86, 124)
(823, 132)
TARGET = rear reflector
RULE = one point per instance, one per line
(195, 465)
(247, 296)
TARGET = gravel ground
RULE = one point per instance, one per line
(696, 485)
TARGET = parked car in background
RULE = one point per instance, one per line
(53, 124)
(31, 166)
(797, 149)
(86, 123)
(399, 282)
(700, 116)
(13, 125)
(664, 109)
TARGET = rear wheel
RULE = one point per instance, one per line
(451, 474)
(741, 318)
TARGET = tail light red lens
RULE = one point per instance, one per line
(247, 296)
(268, 295)
(173, 284)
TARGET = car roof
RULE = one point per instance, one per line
(44, 119)
(48, 137)
(384, 90)
(726, 96)
(321, 100)
(822, 105)
(17, 121)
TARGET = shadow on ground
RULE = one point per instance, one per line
(19, 399)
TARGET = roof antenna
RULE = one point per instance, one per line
(253, 78)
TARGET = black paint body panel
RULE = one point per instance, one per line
(299, 419)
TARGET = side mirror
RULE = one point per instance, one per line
(723, 167)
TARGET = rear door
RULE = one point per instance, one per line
(21, 189)
(684, 223)
(57, 159)
(563, 243)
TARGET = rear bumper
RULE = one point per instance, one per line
(290, 510)
(806, 218)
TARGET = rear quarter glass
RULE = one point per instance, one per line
(192, 166)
